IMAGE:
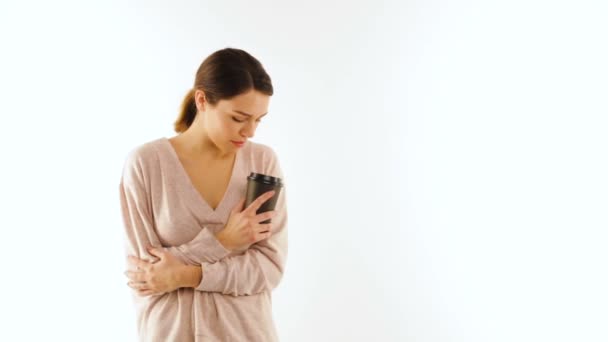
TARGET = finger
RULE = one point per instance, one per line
(136, 262)
(146, 293)
(156, 252)
(139, 286)
(239, 206)
(263, 235)
(264, 227)
(264, 216)
(135, 276)
(255, 205)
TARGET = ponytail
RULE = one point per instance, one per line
(187, 113)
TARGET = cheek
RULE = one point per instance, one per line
(229, 128)
(223, 125)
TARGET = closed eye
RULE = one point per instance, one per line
(237, 120)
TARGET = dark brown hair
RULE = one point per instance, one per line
(224, 74)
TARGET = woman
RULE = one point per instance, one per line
(201, 266)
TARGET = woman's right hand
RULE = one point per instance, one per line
(244, 228)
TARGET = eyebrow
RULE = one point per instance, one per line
(243, 113)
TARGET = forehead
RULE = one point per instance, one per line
(252, 102)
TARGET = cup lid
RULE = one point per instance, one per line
(266, 179)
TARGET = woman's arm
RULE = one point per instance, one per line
(139, 224)
(259, 268)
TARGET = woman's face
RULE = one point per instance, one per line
(233, 120)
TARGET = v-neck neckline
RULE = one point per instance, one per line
(196, 196)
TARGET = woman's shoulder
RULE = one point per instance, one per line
(265, 159)
(144, 153)
(259, 150)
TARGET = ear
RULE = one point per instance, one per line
(200, 100)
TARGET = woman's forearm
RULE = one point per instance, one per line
(190, 276)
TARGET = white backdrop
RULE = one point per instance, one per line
(446, 161)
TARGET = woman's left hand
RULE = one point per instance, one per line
(155, 278)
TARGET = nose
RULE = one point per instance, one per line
(248, 131)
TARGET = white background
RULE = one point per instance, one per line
(446, 161)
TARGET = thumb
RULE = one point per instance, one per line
(155, 251)
(239, 206)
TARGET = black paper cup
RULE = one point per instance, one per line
(257, 185)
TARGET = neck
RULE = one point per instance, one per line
(196, 143)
